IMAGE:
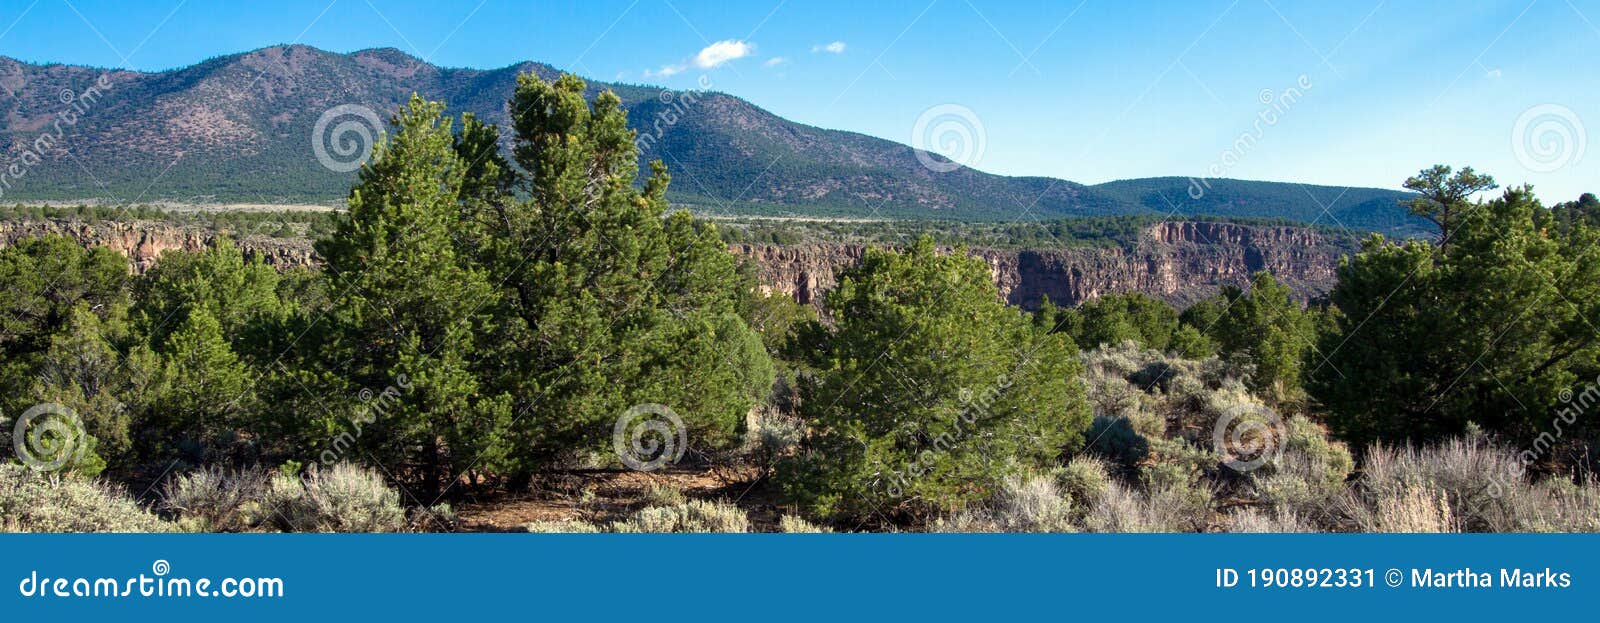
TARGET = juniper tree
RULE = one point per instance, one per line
(408, 311)
(1490, 333)
(608, 300)
(928, 390)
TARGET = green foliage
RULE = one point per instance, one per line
(1564, 217)
(1489, 330)
(94, 367)
(1445, 197)
(408, 310)
(1265, 326)
(608, 301)
(928, 390)
(1365, 209)
(45, 284)
(206, 392)
(239, 293)
(1114, 318)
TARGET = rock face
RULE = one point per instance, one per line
(1180, 262)
(142, 242)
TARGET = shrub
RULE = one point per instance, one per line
(1565, 506)
(694, 516)
(561, 527)
(663, 495)
(343, 498)
(1251, 520)
(30, 502)
(1468, 484)
(1464, 475)
(1020, 504)
(1409, 508)
(792, 524)
(437, 518)
(1084, 480)
(1308, 479)
(770, 435)
(216, 500)
(1166, 505)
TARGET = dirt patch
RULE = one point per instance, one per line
(603, 496)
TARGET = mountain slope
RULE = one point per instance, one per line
(240, 128)
(1372, 209)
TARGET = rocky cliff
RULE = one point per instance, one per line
(1180, 262)
(142, 242)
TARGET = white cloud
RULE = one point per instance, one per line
(664, 72)
(713, 56)
(775, 61)
(721, 52)
(1492, 74)
(836, 47)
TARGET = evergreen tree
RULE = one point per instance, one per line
(928, 389)
(407, 311)
(1489, 331)
(1268, 327)
(608, 301)
(239, 294)
(1115, 318)
(1446, 197)
(206, 393)
(95, 367)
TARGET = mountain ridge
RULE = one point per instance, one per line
(240, 128)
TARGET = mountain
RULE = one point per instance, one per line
(241, 128)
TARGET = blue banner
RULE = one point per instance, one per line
(795, 577)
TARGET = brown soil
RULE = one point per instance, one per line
(601, 496)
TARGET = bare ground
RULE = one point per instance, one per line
(601, 496)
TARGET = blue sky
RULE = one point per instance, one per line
(1088, 91)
